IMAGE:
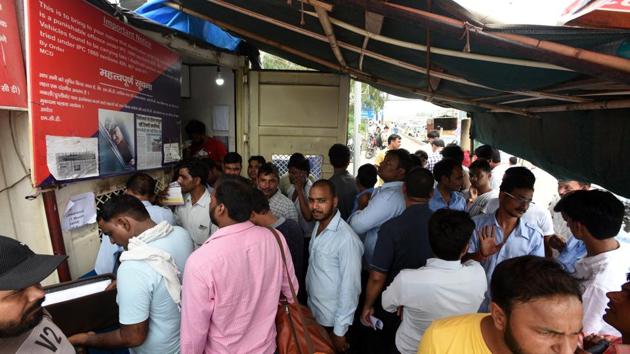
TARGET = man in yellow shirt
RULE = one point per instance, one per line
(536, 309)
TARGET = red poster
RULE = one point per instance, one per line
(12, 76)
(105, 98)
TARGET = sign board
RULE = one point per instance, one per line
(12, 75)
(104, 97)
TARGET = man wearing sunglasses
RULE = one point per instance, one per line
(504, 234)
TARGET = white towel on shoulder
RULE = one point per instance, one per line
(162, 262)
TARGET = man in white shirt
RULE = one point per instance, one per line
(141, 186)
(444, 287)
(595, 218)
(194, 215)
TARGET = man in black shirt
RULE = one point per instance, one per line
(403, 242)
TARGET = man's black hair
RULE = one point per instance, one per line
(444, 168)
(269, 169)
(195, 127)
(302, 165)
(141, 184)
(453, 152)
(438, 143)
(513, 160)
(296, 157)
(480, 164)
(419, 183)
(488, 153)
(404, 161)
(339, 156)
(236, 193)
(233, 157)
(197, 168)
(517, 177)
(423, 156)
(433, 134)
(260, 204)
(123, 204)
(392, 138)
(366, 175)
(526, 278)
(327, 184)
(261, 159)
(449, 233)
(599, 211)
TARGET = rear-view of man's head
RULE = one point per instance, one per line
(21, 295)
(593, 213)
(537, 306)
(231, 201)
(120, 217)
(449, 233)
(339, 156)
(418, 183)
(141, 186)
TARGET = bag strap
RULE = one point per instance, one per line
(307, 335)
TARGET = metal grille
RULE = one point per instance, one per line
(315, 161)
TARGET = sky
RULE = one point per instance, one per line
(539, 12)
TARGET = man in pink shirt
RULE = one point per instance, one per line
(232, 283)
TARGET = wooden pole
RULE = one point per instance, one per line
(451, 53)
(327, 27)
(592, 63)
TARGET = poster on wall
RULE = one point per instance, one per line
(92, 76)
(12, 75)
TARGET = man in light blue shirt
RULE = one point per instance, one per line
(148, 280)
(141, 186)
(387, 201)
(449, 175)
(504, 235)
(333, 279)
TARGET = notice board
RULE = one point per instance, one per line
(12, 75)
(104, 97)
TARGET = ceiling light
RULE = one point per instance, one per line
(219, 80)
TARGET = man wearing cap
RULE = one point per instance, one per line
(25, 328)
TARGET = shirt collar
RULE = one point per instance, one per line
(394, 184)
(280, 221)
(444, 264)
(519, 230)
(333, 225)
(146, 203)
(438, 194)
(231, 230)
(203, 202)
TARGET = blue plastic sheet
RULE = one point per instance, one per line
(157, 11)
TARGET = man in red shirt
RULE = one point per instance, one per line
(203, 146)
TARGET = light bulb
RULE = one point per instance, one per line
(219, 80)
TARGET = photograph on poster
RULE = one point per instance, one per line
(116, 141)
(149, 141)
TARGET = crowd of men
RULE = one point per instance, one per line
(440, 258)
